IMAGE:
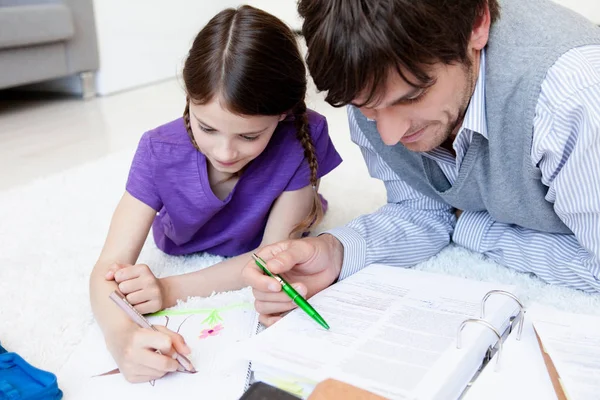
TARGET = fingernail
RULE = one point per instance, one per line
(107, 276)
(273, 287)
(300, 289)
(187, 349)
(174, 356)
(117, 275)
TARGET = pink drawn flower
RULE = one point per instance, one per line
(214, 331)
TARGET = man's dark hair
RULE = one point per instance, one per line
(353, 44)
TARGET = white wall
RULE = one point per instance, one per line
(146, 41)
(588, 8)
(285, 10)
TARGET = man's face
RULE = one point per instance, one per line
(422, 119)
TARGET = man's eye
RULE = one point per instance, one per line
(415, 99)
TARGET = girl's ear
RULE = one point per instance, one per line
(282, 117)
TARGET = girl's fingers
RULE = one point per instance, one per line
(110, 274)
(137, 297)
(130, 286)
(177, 340)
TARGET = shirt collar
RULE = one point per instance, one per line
(475, 119)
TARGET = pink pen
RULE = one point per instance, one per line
(185, 365)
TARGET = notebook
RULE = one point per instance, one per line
(572, 346)
(572, 343)
(210, 332)
(394, 332)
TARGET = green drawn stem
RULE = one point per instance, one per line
(210, 311)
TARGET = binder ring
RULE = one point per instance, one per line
(487, 325)
(521, 314)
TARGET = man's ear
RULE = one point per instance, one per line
(481, 30)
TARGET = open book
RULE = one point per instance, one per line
(394, 332)
(210, 332)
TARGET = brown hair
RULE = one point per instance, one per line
(251, 60)
(353, 44)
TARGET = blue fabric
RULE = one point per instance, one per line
(19, 380)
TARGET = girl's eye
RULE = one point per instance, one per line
(205, 129)
(249, 138)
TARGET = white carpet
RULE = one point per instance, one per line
(52, 230)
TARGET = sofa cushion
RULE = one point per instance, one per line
(34, 24)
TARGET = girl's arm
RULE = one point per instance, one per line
(289, 209)
(128, 230)
(133, 348)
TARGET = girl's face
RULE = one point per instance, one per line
(227, 140)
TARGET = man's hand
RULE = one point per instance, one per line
(309, 265)
(139, 285)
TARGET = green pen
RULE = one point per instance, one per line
(290, 291)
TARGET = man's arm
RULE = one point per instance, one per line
(566, 148)
(407, 230)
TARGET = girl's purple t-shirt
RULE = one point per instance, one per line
(169, 175)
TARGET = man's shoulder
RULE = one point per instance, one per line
(576, 70)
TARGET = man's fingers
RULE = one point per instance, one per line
(278, 296)
(296, 252)
(263, 307)
(254, 277)
(268, 320)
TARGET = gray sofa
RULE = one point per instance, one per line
(42, 40)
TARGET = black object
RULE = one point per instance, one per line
(262, 391)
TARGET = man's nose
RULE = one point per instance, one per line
(391, 127)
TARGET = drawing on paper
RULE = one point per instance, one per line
(212, 325)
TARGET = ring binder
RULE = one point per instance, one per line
(486, 324)
(521, 314)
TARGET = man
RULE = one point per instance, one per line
(483, 109)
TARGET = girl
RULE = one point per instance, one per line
(240, 170)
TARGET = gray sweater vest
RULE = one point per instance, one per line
(496, 174)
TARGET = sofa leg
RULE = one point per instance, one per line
(88, 84)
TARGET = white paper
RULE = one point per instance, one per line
(393, 331)
(221, 373)
(573, 343)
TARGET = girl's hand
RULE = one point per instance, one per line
(139, 285)
(135, 351)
